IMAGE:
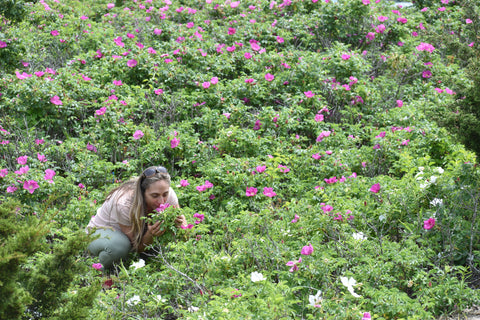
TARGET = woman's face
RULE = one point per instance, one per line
(156, 194)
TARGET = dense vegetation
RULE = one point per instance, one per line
(317, 149)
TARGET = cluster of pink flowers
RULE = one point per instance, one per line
(446, 90)
(381, 135)
(269, 77)
(268, 192)
(162, 207)
(97, 266)
(206, 84)
(294, 264)
(22, 160)
(319, 117)
(101, 111)
(199, 217)
(30, 186)
(330, 180)
(205, 186)
(132, 63)
(22, 170)
(91, 147)
(236, 295)
(307, 250)
(425, 47)
(429, 223)
(56, 100)
(339, 217)
(258, 125)
(49, 174)
(323, 135)
(261, 169)
(174, 142)
(342, 179)
(138, 134)
(309, 94)
(326, 207)
(252, 191)
(375, 188)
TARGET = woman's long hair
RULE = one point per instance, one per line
(138, 209)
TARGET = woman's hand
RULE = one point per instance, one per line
(181, 221)
(155, 229)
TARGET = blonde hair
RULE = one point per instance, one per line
(138, 208)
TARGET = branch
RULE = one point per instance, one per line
(159, 252)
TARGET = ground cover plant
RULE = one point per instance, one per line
(316, 148)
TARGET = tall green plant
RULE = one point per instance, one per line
(35, 274)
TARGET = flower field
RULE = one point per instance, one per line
(323, 153)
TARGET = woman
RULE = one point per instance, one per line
(119, 220)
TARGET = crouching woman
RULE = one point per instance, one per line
(119, 221)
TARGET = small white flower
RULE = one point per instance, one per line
(359, 236)
(436, 202)
(440, 170)
(421, 169)
(316, 300)
(159, 298)
(193, 309)
(419, 175)
(133, 300)
(139, 264)
(349, 283)
(424, 185)
(256, 276)
(433, 179)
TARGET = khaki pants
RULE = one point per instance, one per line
(111, 247)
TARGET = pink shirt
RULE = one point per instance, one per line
(116, 210)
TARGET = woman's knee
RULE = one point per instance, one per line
(112, 246)
(120, 249)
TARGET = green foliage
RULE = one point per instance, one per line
(463, 116)
(323, 102)
(20, 237)
(13, 10)
(51, 274)
(35, 276)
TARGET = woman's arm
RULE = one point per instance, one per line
(153, 230)
(180, 220)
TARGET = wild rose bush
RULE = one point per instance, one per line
(299, 136)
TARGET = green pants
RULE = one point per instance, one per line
(111, 247)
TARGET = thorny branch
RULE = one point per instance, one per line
(159, 252)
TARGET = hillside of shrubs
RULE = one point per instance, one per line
(323, 153)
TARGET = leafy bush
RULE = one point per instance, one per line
(309, 143)
(35, 275)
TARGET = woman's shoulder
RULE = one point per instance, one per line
(172, 197)
(121, 196)
(124, 197)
